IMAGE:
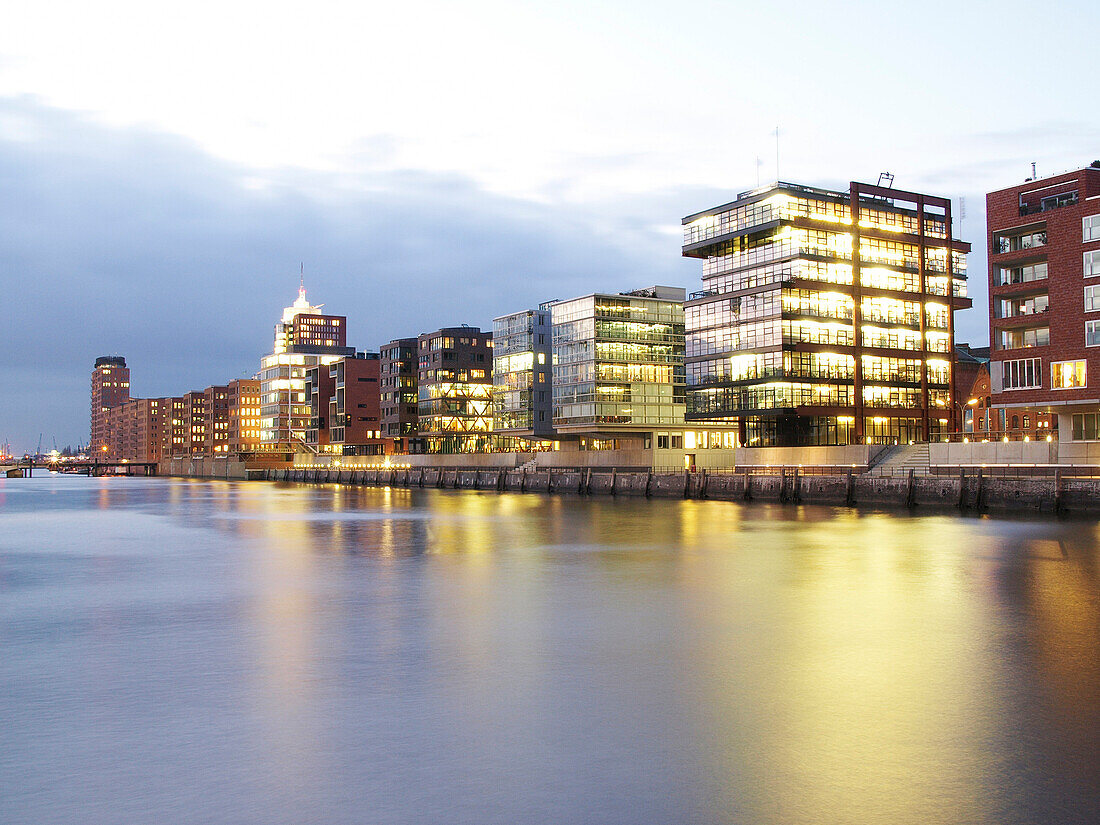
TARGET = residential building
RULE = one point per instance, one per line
(522, 365)
(174, 432)
(454, 390)
(618, 367)
(216, 422)
(110, 388)
(304, 337)
(398, 387)
(194, 423)
(244, 415)
(1044, 287)
(826, 317)
(345, 406)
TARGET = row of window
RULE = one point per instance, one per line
(1027, 374)
(1040, 336)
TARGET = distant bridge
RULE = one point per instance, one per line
(25, 469)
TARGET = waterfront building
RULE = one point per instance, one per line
(522, 371)
(826, 317)
(618, 367)
(244, 415)
(110, 388)
(194, 423)
(398, 376)
(345, 406)
(174, 430)
(454, 390)
(215, 440)
(304, 337)
(1044, 286)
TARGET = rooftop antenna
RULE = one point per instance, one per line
(777, 154)
(759, 163)
(962, 214)
(302, 281)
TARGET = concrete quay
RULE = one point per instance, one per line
(973, 490)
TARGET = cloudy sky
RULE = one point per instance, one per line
(165, 171)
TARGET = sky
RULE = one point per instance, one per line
(166, 171)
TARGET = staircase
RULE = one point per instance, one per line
(528, 467)
(899, 460)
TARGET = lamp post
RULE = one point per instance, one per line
(962, 413)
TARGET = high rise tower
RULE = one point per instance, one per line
(304, 337)
(110, 388)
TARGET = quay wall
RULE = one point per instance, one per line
(969, 490)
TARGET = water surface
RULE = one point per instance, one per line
(196, 652)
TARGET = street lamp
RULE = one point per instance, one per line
(962, 413)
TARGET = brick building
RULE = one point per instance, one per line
(244, 415)
(398, 376)
(110, 388)
(1044, 293)
(345, 407)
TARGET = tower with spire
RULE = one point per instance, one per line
(304, 337)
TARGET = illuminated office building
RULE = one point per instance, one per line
(618, 369)
(522, 362)
(825, 317)
(304, 338)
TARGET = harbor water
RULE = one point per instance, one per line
(184, 651)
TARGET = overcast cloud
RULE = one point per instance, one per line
(125, 241)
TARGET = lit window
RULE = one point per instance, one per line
(1066, 375)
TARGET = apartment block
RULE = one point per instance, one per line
(454, 390)
(345, 406)
(244, 415)
(110, 388)
(398, 388)
(1044, 287)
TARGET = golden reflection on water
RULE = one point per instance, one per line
(828, 663)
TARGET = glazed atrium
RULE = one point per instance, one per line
(825, 317)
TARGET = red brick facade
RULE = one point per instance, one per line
(1040, 321)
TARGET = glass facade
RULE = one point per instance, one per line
(618, 362)
(455, 390)
(522, 361)
(811, 327)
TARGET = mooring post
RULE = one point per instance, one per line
(588, 481)
(703, 492)
(796, 492)
(747, 494)
(782, 485)
(909, 489)
(978, 502)
(648, 482)
(1058, 504)
(549, 481)
(850, 490)
(612, 481)
(962, 488)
